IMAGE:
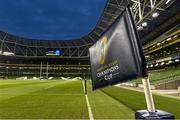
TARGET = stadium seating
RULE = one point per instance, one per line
(164, 75)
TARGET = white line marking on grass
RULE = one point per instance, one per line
(89, 108)
(88, 105)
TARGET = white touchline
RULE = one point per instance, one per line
(88, 105)
(89, 108)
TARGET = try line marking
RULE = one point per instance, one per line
(88, 105)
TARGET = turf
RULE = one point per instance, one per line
(59, 99)
(10, 85)
(9, 92)
(106, 107)
(136, 101)
(49, 100)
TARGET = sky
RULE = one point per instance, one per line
(50, 19)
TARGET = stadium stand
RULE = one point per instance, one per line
(23, 59)
(161, 40)
(162, 75)
(15, 66)
(163, 56)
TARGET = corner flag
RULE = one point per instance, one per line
(117, 56)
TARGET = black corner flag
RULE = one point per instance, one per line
(117, 56)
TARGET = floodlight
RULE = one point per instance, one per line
(139, 28)
(177, 60)
(144, 24)
(155, 14)
(162, 63)
(170, 61)
(158, 43)
(168, 1)
(168, 39)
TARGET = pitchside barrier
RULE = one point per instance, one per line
(118, 57)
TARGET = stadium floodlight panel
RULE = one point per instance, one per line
(147, 56)
(168, 39)
(176, 60)
(8, 53)
(163, 41)
(162, 63)
(156, 64)
(139, 28)
(175, 36)
(170, 61)
(144, 24)
(155, 14)
(158, 43)
(168, 1)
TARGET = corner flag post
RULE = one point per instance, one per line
(148, 95)
(145, 79)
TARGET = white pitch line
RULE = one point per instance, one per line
(88, 105)
(89, 108)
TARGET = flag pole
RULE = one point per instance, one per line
(148, 95)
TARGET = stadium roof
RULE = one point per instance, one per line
(112, 10)
(168, 11)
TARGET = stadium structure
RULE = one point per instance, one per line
(23, 57)
(66, 65)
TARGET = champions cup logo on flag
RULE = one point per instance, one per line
(117, 56)
(103, 49)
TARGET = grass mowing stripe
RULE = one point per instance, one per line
(69, 88)
(10, 82)
(14, 82)
(8, 93)
(44, 106)
(21, 84)
(106, 107)
(136, 100)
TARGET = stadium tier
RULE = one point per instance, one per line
(164, 51)
(162, 75)
(100, 74)
(161, 53)
(12, 66)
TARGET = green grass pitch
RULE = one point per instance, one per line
(60, 99)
